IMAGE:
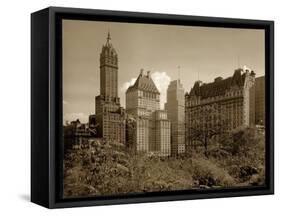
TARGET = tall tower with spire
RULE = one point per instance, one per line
(110, 116)
(109, 70)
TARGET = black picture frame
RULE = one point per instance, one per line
(46, 105)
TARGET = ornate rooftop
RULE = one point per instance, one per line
(220, 85)
(108, 48)
(144, 83)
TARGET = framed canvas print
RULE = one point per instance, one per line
(139, 107)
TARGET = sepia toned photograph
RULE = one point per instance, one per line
(157, 108)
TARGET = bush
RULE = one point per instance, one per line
(100, 169)
(158, 174)
(208, 173)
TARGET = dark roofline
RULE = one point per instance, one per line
(143, 82)
(219, 86)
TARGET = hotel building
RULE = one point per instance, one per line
(232, 101)
(151, 129)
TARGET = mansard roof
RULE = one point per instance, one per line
(219, 86)
(144, 83)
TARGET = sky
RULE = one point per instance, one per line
(169, 52)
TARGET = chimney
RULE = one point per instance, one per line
(141, 72)
(148, 74)
(253, 73)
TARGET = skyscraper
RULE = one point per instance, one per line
(110, 116)
(151, 132)
(175, 110)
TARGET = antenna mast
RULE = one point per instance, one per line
(179, 72)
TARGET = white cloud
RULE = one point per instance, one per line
(245, 67)
(74, 116)
(126, 85)
(162, 81)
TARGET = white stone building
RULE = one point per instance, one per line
(151, 130)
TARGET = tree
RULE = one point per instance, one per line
(100, 169)
(109, 162)
(131, 131)
(246, 146)
(208, 122)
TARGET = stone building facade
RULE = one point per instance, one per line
(150, 128)
(260, 101)
(176, 114)
(222, 105)
(110, 116)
